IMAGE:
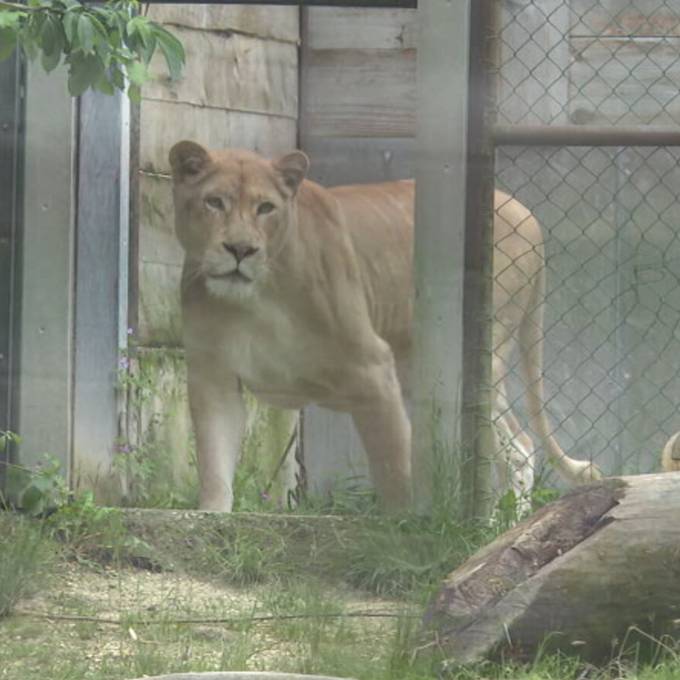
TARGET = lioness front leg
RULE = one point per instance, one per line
(218, 414)
(383, 425)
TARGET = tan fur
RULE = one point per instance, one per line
(323, 313)
(670, 457)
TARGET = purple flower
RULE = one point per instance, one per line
(124, 363)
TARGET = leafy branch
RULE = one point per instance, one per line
(105, 47)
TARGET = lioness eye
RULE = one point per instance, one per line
(215, 202)
(265, 208)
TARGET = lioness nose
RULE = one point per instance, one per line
(240, 250)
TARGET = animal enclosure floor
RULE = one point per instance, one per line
(90, 622)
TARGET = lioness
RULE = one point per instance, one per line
(304, 294)
(670, 456)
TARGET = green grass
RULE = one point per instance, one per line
(26, 558)
(227, 598)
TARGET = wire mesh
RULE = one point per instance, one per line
(609, 216)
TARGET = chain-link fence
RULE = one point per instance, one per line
(610, 218)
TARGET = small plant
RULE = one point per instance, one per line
(39, 490)
(92, 534)
(8, 438)
(26, 557)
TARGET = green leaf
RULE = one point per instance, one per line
(70, 22)
(84, 71)
(172, 51)
(86, 33)
(11, 19)
(135, 93)
(104, 85)
(50, 60)
(149, 49)
(117, 77)
(48, 34)
(33, 500)
(137, 73)
(8, 42)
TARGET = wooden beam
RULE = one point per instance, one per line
(441, 168)
(45, 401)
(10, 134)
(100, 283)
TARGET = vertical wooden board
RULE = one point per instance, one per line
(359, 93)
(334, 457)
(163, 124)
(100, 174)
(9, 223)
(640, 18)
(157, 240)
(45, 369)
(535, 61)
(346, 28)
(443, 64)
(244, 73)
(276, 23)
(625, 82)
(160, 320)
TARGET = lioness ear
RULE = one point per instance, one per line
(187, 160)
(293, 167)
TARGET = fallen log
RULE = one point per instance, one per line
(594, 572)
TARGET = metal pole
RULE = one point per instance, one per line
(441, 168)
(477, 428)
(585, 135)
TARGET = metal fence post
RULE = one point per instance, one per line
(441, 162)
(477, 433)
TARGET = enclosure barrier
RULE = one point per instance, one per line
(588, 110)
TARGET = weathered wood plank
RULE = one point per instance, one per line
(626, 82)
(163, 124)
(10, 151)
(100, 178)
(157, 240)
(231, 71)
(333, 453)
(160, 321)
(278, 23)
(360, 93)
(640, 18)
(333, 28)
(348, 160)
(441, 175)
(46, 359)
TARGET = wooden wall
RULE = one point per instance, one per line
(239, 89)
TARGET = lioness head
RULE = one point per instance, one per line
(232, 213)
